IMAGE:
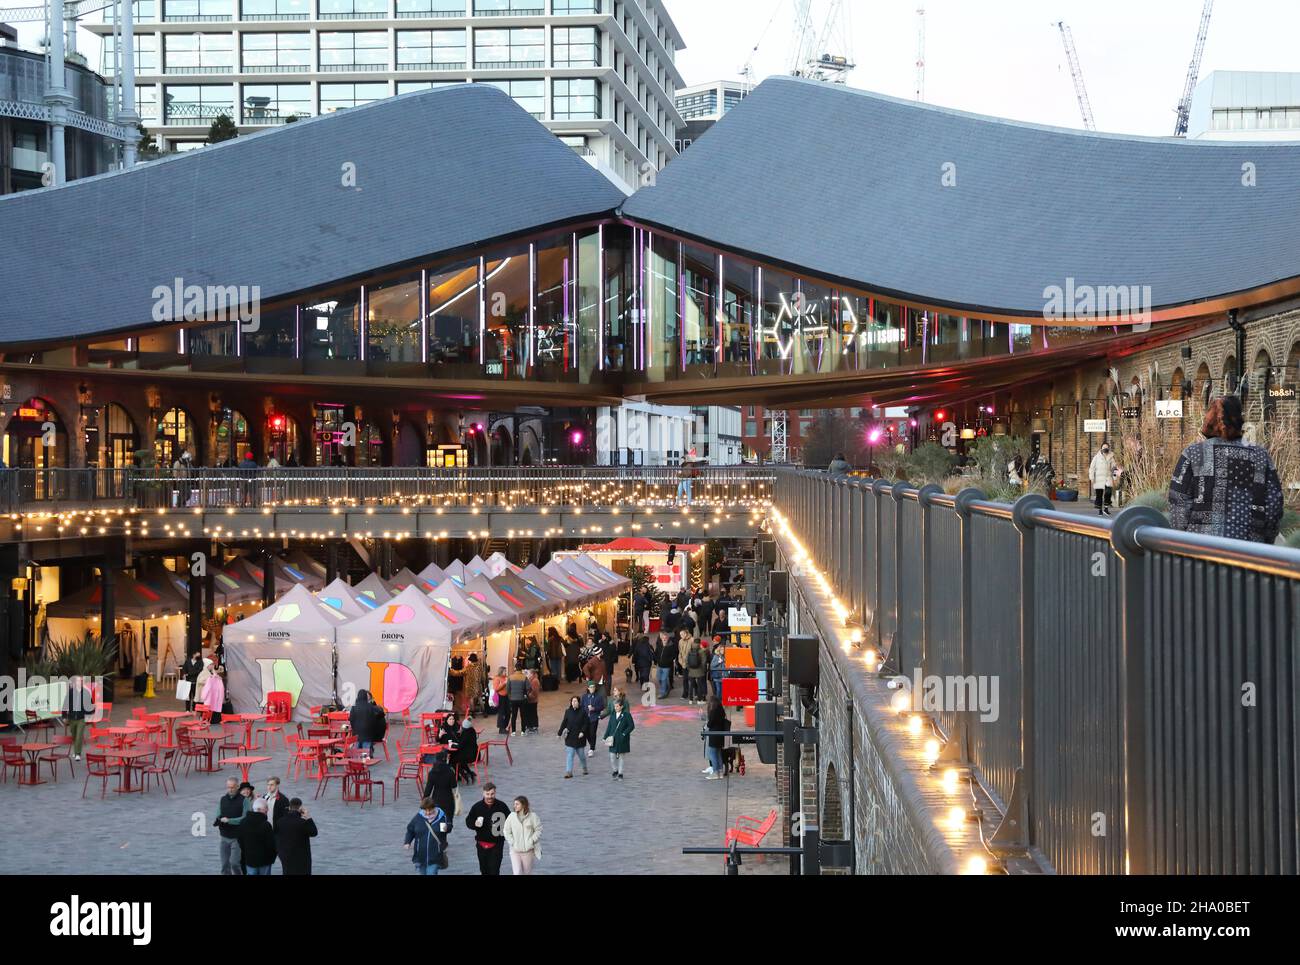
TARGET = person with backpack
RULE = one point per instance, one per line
(573, 728)
(618, 737)
(593, 705)
(696, 670)
(422, 840)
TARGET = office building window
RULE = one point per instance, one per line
(517, 47)
(576, 98)
(275, 53)
(198, 103)
(354, 50)
(337, 97)
(575, 6)
(406, 86)
(528, 94)
(274, 103)
(353, 9)
(198, 53)
(575, 47)
(197, 10)
(274, 9)
(146, 54)
(431, 8)
(146, 103)
(431, 50)
(508, 8)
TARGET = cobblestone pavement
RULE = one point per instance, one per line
(591, 825)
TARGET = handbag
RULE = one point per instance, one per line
(456, 806)
(609, 741)
(183, 689)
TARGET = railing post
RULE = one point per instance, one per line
(1133, 683)
(962, 507)
(878, 487)
(924, 502)
(1016, 830)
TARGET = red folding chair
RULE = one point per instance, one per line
(97, 765)
(62, 752)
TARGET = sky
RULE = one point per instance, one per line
(1000, 57)
(1005, 57)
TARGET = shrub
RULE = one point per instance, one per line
(1155, 498)
(930, 462)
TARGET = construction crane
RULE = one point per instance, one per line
(1184, 108)
(1080, 91)
(811, 49)
(920, 53)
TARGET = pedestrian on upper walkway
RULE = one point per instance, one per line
(1225, 487)
(839, 465)
(1101, 474)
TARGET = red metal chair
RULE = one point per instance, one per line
(327, 770)
(484, 749)
(408, 766)
(232, 739)
(161, 771)
(750, 831)
(302, 757)
(190, 751)
(362, 783)
(279, 709)
(14, 761)
(62, 752)
(97, 765)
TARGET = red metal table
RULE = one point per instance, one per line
(244, 763)
(171, 717)
(248, 720)
(209, 738)
(34, 750)
(126, 755)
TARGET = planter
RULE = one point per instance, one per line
(1067, 495)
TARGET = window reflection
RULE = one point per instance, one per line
(699, 326)
(662, 308)
(393, 320)
(505, 297)
(454, 315)
(739, 315)
(331, 326)
(553, 348)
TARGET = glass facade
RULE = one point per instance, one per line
(515, 47)
(265, 53)
(603, 302)
(576, 99)
(430, 50)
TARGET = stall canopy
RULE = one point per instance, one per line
(300, 559)
(549, 584)
(374, 589)
(477, 565)
(583, 584)
(409, 618)
(132, 599)
(433, 574)
(636, 545)
(253, 573)
(544, 604)
(600, 572)
(304, 576)
(498, 564)
(448, 594)
(234, 586)
(297, 617)
(404, 578)
(480, 588)
(345, 598)
(167, 583)
(456, 570)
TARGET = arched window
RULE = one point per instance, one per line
(174, 435)
(1204, 385)
(282, 439)
(1261, 380)
(1176, 384)
(35, 438)
(232, 437)
(111, 438)
(1230, 376)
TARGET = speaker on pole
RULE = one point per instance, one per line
(778, 588)
(803, 667)
(767, 552)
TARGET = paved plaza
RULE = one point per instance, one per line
(591, 825)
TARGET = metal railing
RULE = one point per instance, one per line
(1148, 711)
(557, 487)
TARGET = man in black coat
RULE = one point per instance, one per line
(256, 840)
(293, 834)
(190, 671)
(486, 819)
(440, 786)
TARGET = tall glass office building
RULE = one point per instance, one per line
(600, 74)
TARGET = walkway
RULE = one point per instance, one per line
(591, 825)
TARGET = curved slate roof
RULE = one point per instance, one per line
(435, 170)
(847, 184)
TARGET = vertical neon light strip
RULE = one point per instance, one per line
(239, 338)
(681, 307)
(636, 300)
(363, 325)
(717, 315)
(181, 346)
(650, 294)
(424, 316)
(600, 298)
(532, 307)
(756, 330)
(482, 312)
(564, 318)
(297, 331)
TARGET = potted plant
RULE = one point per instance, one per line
(1063, 493)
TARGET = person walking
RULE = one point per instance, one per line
(256, 840)
(1224, 487)
(190, 670)
(574, 728)
(643, 657)
(440, 788)
(423, 838)
(618, 737)
(500, 693)
(487, 820)
(554, 653)
(697, 670)
(530, 701)
(473, 690)
(1101, 474)
(214, 694)
(717, 668)
(593, 704)
(277, 804)
(593, 667)
(717, 720)
(665, 655)
(293, 834)
(231, 808)
(523, 832)
(76, 705)
(517, 693)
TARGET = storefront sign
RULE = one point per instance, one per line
(1281, 392)
(1169, 408)
(495, 367)
(1132, 412)
(1094, 425)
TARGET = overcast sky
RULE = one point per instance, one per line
(1005, 57)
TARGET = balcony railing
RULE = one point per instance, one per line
(428, 14)
(445, 65)
(541, 486)
(509, 64)
(530, 12)
(351, 68)
(226, 69)
(282, 69)
(1118, 647)
(274, 16)
(197, 18)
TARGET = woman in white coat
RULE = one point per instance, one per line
(1101, 474)
(523, 832)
